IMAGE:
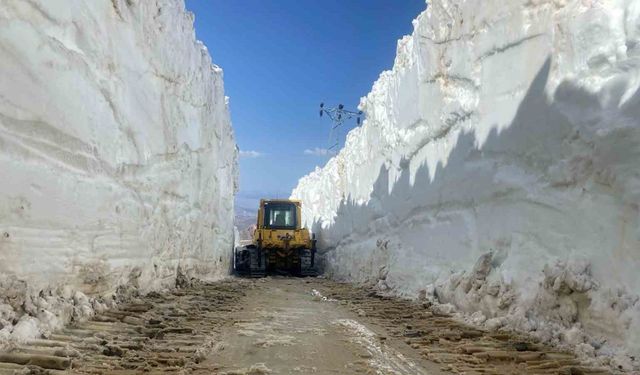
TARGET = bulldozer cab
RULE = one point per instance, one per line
(279, 214)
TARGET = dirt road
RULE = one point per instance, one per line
(281, 326)
(289, 327)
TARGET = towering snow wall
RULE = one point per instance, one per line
(117, 157)
(499, 170)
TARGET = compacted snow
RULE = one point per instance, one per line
(498, 172)
(117, 157)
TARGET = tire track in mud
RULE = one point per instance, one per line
(171, 332)
(458, 348)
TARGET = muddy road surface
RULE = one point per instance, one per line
(281, 326)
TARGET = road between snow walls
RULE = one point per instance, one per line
(497, 173)
(117, 158)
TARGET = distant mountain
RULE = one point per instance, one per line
(245, 221)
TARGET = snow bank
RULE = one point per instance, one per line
(498, 170)
(117, 156)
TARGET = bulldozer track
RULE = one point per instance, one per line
(457, 347)
(160, 333)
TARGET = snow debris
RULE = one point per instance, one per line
(207, 349)
(27, 328)
(257, 369)
(5, 339)
(317, 296)
(384, 359)
(443, 309)
(496, 172)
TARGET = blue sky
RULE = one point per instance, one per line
(281, 58)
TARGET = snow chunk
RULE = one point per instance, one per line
(27, 328)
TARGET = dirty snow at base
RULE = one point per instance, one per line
(117, 157)
(498, 173)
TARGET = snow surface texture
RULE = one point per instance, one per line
(117, 156)
(498, 171)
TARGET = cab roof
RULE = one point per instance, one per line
(296, 201)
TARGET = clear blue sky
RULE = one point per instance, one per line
(281, 58)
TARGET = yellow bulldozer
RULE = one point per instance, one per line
(280, 244)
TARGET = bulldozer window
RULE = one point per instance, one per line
(280, 216)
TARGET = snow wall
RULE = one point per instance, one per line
(117, 156)
(498, 170)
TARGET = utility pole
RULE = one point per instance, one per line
(338, 115)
